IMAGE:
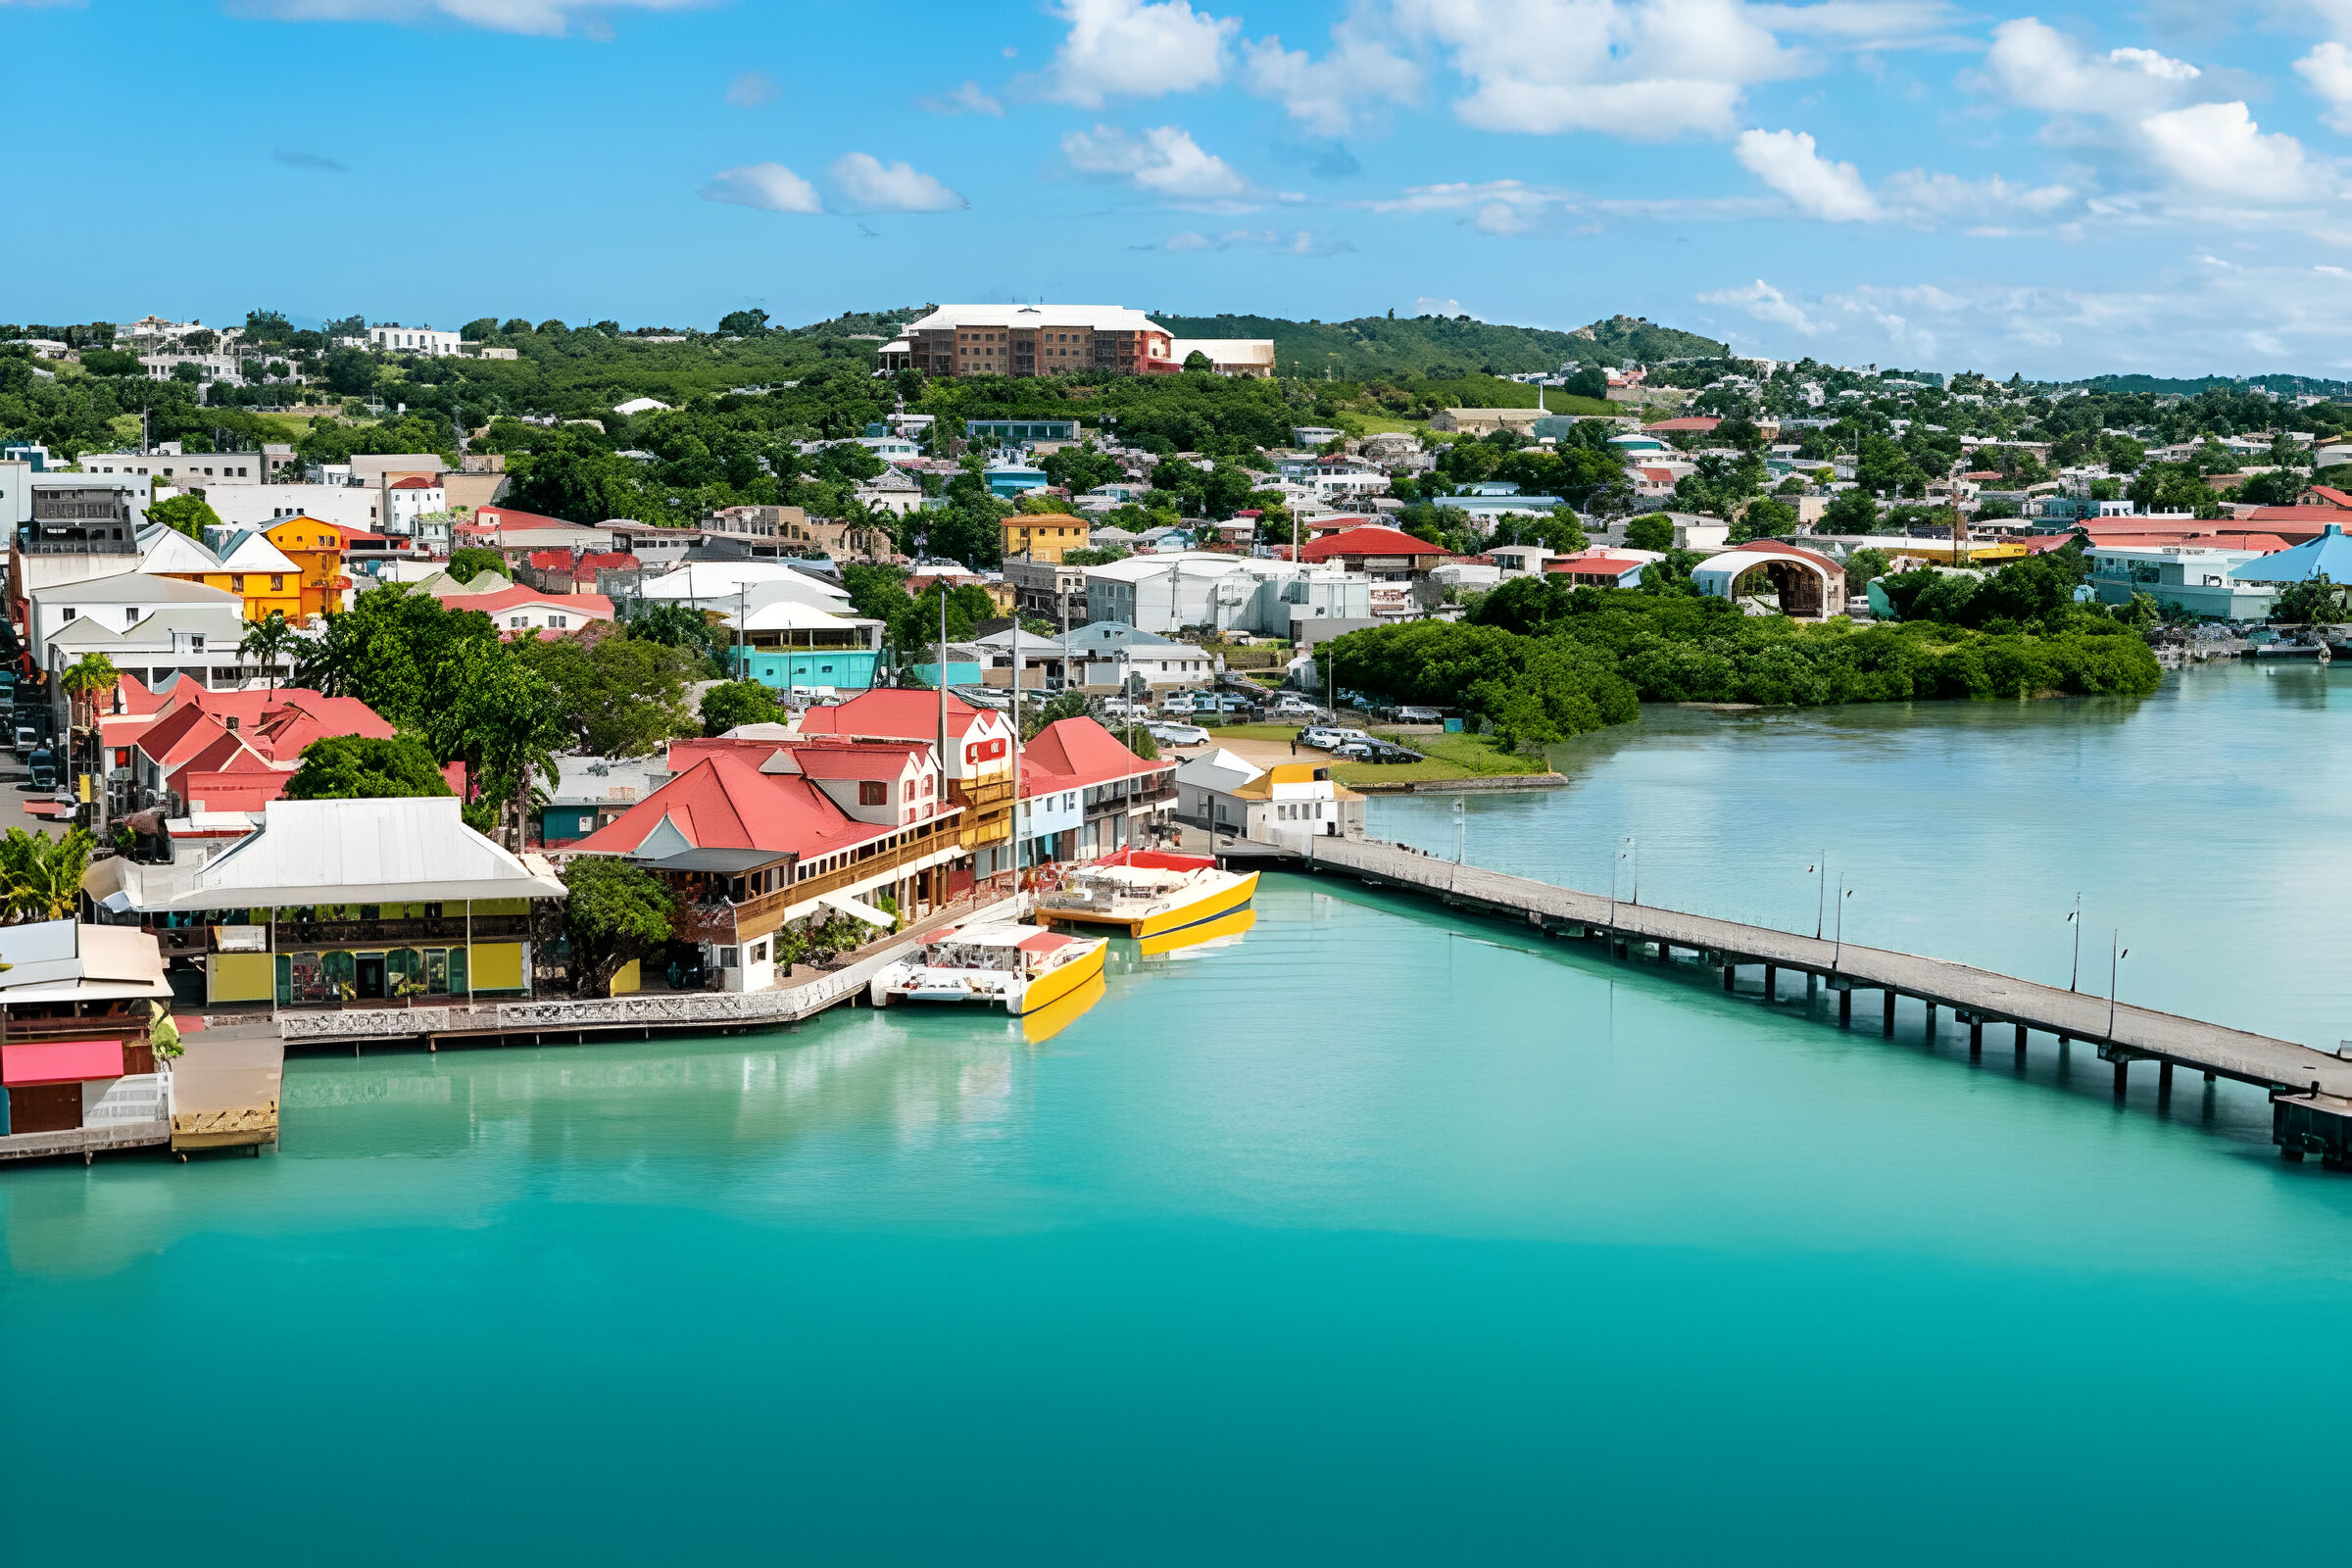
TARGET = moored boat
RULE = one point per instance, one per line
(1148, 891)
(1019, 967)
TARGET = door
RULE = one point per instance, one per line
(372, 977)
(44, 1109)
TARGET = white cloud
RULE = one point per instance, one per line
(546, 18)
(1787, 162)
(1134, 49)
(1927, 196)
(1430, 304)
(2037, 66)
(875, 187)
(1643, 70)
(770, 188)
(2328, 70)
(1458, 194)
(967, 99)
(1766, 304)
(1299, 242)
(1165, 161)
(751, 89)
(1502, 218)
(1330, 95)
(2219, 149)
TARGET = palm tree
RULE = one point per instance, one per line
(89, 675)
(40, 877)
(267, 642)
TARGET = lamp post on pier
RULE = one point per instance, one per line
(2116, 955)
(1821, 893)
(2076, 921)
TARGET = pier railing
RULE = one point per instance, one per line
(2123, 1033)
(659, 1009)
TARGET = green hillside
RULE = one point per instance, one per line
(1444, 346)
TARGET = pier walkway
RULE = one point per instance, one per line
(642, 1013)
(1977, 998)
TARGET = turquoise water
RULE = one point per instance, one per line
(1373, 1237)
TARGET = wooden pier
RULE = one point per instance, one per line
(2311, 1091)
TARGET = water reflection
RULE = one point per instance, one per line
(1055, 1016)
(1198, 941)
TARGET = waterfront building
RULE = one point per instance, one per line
(1083, 794)
(2328, 556)
(2195, 579)
(976, 759)
(75, 1004)
(754, 834)
(333, 902)
(1226, 793)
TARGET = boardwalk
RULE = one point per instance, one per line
(1979, 998)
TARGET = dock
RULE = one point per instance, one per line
(2311, 1091)
(533, 1021)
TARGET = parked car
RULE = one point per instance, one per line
(1121, 708)
(1320, 736)
(1419, 715)
(1290, 705)
(1386, 754)
(1231, 703)
(29, 736)
(42, 766)
(1179, 734)
(1353, 751)
(1179, 703)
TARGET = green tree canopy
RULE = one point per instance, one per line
(615, 911)
(189, 514)
(344, 767)
(739, 701)
(468, 562)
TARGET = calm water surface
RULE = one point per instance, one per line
(1375, 1237)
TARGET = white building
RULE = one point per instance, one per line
(407, 500)
(393, 338)
(243, 506)
(191, 470)
(1166, 593)
(721, 584)
(214, 366)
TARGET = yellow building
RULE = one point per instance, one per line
(317, 550)
(255, 570)
(1044, 535)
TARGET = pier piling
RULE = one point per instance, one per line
(2123, 1076)
(1976, 1038)
(1772, 976)
(1930, 1023)
(1890, 1014)
(1731, 976)
(1845, 1010)
(2021, 1045)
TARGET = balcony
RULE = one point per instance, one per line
(399, 933)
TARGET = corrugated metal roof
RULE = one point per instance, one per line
(362, 851)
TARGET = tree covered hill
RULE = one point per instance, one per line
(1375, 347)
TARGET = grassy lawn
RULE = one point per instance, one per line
(1444, 757)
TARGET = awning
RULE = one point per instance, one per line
(856, 910)
(59, 1062)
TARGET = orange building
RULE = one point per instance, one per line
(317, 548)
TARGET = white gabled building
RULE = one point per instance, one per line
(394, 338)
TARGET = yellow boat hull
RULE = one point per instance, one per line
(1043, 1024)
(1208, 906)
(1055, 983)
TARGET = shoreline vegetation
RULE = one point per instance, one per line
(1537, 663)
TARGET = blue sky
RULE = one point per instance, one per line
(1898, 182)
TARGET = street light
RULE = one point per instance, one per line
(1821, 894)
(2115, 958)
(2076, 921)
(1838, 951)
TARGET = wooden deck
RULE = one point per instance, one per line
(1980, 997)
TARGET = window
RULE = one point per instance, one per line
(872, 792)
(518, 621)
(69, 612)
(277, 583)
(558, 623)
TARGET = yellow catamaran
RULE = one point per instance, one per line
(1148, 892)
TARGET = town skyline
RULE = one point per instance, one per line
(1898, 183)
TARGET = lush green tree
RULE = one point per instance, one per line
(2174, 487)
(734, 703)
(110, 361)
(84, 680)
(676, 626)
(1652, 530)
(574, 478)
(2279, 487)
(1587, 381)
(341, 767)
(618, 695)
(189, 514)
(614, 911)
(468, 562)
(40, 877)
(2315, 603)
(1850, 511)
(1764, 519)
(740, 323)
(396, 651)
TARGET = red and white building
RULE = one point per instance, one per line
(526, 611)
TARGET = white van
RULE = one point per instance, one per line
(1179, 734)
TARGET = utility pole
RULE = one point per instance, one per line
(2115, 958)
(2076, 921)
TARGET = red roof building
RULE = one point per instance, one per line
(979, 739)
(1598, 568)
(522, 611)
(235, 751)
(1377, 552)
(753, 841)
(1086, 794)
